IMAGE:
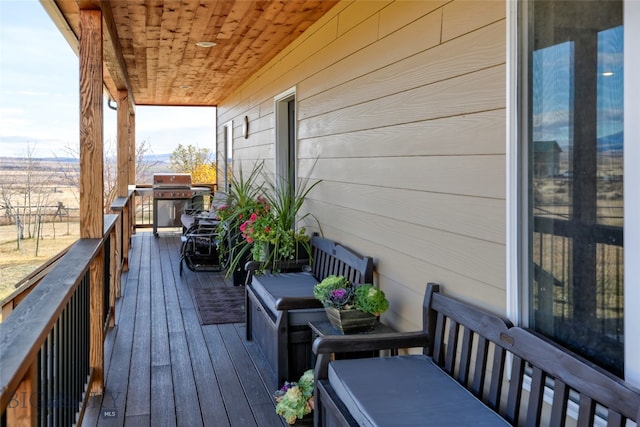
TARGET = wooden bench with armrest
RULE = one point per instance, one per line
(476, 369)
(279, 306)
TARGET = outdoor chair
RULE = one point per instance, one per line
(200, 240)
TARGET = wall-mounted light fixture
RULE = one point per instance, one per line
(245, 127)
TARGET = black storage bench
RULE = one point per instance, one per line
(476, 369)
(279, 306)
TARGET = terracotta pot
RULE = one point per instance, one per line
(351, 321)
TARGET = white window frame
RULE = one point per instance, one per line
(282, 132)
(228, 146)
(516, 262)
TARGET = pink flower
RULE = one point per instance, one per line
(243, 226)
(267, 229)
(249, 239)
(253, 217)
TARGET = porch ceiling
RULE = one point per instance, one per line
(150, 45)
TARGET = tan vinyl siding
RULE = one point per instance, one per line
(401, 113)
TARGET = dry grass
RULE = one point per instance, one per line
(16, 264)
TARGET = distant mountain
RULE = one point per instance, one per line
(154, 158)
(162, 158)
(611, 142)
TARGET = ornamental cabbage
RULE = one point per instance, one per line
(370, 299)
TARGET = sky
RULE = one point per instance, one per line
(553, 90)
(39, 104)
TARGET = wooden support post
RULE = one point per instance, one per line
(124, 155)
(96, 324)
(91, 178)
(126, 234)
(117, 245)
(23, 408)
(132, 148)
(91, 123)
(114, 274)
(123, 144)
(132, 170)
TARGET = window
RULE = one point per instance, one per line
(572, 168)
(286, 139)
(228, 155)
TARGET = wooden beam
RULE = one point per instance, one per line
(122, 176)
(113, 52)
(91, 125)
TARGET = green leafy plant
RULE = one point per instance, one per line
(286, 237)
(295, 399)
(273, 226)
(370, 299)
(338, 292)
(244, 200)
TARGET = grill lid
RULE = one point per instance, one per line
(174, 180)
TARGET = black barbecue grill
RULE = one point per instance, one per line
(172, 195)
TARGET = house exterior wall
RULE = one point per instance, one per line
(401, 113)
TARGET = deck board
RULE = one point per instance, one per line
(162, 366)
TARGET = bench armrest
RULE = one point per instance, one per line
(323, 347)
(355, 342)
(294, 303)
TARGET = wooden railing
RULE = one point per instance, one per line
(52, 342)
(143, 206)
(560, 281)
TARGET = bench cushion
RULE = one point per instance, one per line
(408, 391)
(271, 287)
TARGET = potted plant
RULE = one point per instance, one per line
(244, 200)
(295, 400)
(273, 227)
(350, 307)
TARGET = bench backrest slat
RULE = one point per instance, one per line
(497, 374)
(480, 366)
(615, 420)
(536, 396)
(587, 411)
(438, 339)
(529, 356)
(561, 401)
(512, 411)
(465, 356)
(452, 348)
(330, 258)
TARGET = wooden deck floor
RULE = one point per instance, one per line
(165, 369)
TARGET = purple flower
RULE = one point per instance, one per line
(338, 293)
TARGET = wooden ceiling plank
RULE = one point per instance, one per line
(177, 74)
(158, 46)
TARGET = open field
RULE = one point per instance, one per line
(27, 184)
(16, 264)
(44, 190)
